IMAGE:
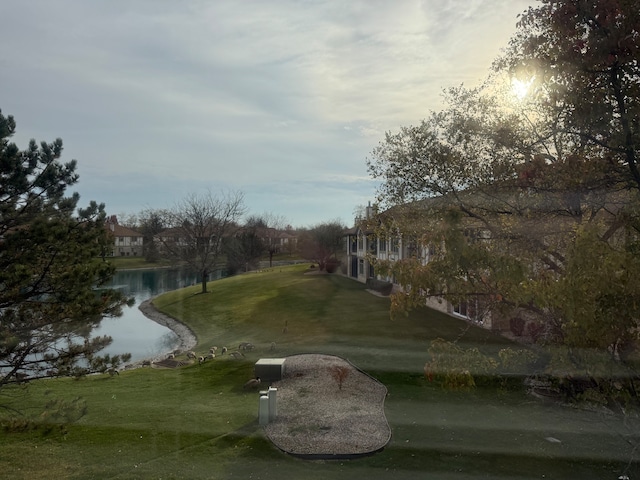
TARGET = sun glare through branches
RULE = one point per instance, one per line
(520, 88)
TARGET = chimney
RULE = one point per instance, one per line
(371, 211)
(112, 221)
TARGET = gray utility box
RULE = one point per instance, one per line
(270, 369)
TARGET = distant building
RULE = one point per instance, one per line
(287, 241)
(365, 244)
(126, 242)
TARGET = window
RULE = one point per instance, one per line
(468, 309)
(475, 235)
(395, 245)
(460, 308)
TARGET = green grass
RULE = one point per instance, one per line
(196, 422)
(285, 257)
(129, 263)
(321, 313)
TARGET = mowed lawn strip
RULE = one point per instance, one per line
(198, 422)
(316, 313)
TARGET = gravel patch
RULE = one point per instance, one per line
(318, 420)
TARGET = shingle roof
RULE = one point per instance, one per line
(112, 226)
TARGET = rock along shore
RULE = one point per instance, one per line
(185, 335)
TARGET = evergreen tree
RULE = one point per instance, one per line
(52, 277)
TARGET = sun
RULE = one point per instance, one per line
(520, 88)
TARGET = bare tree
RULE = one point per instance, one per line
(129, 220)
(244, 249)
(198, 226)
(323, 243)
(269, 226)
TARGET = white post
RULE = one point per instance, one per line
(263, 410)
(273, 403)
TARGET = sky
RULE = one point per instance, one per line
(280, 100)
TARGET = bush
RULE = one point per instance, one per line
(451, 365)
(535, 331)
(332, 265)
(339, 373)
(17, 424)
(516, 325)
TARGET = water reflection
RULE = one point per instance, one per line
(133, 332)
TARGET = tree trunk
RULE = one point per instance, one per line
(205, 275)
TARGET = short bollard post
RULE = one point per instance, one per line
(263, 410)
(273, 403)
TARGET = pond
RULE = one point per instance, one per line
(133, 332)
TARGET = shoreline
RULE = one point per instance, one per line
(186, 338)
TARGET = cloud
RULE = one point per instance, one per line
(275, 97)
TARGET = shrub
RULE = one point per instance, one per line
(17, 424)
(535, 331)
(516, 362)
(452, 365)
(332, 265)
(516, 325)
(339, 374)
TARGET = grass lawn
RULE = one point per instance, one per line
(196, 422)
(128, 263)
